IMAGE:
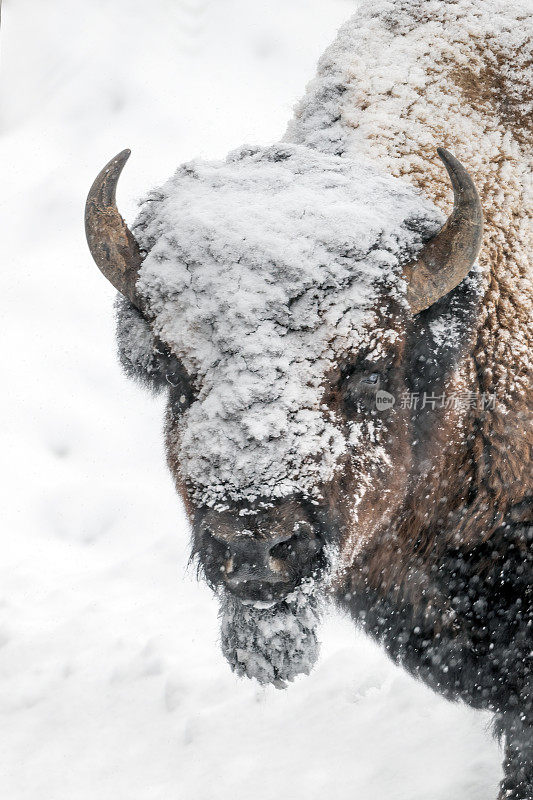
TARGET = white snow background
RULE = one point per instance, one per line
(112, 683)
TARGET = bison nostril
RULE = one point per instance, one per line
(253, 562)
(303, 543)
(283, 550)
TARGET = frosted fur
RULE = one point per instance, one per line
(272, 645)
(261, 272)
(405, 77)
(140, 355)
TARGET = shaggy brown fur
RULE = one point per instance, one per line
(492, 462)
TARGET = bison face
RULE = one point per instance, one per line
(295, 460)
(273, 295)
(261, 550)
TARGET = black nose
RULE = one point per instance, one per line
(263, 567)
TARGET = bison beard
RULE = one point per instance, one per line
(273, 645)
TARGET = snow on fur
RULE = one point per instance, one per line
(396, 80)
(404, 77)
(261, 271)
(273, 645)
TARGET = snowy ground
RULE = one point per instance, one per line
(112, 683)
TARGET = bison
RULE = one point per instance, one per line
(349, 386)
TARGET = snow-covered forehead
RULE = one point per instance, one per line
(261, 271)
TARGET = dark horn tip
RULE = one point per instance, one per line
(465, 192)
(102, 192)
(118, 162)
(123, 155)
(449, 160)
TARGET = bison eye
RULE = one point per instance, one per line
(363, 381)
(359, 391)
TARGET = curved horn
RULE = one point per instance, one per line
(450, 255)
(112, 245)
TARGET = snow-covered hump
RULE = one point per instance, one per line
(262, 270)
(391, 86)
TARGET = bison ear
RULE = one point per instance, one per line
(142, 357)
(443, 336)
(448, 258)
(112, 244)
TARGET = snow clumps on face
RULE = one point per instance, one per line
(273, 645)
(261, 271)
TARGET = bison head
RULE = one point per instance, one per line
(273, 295)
